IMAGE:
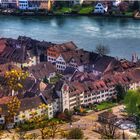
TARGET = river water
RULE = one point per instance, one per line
(122, 35)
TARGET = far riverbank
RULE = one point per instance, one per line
(45, 14)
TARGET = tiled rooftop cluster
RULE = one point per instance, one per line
(82, 77)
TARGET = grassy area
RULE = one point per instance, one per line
(129, 13)
(55, 79)
(64, 10)
(78, 8)
(86, 10)
(105, 105)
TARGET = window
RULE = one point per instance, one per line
(1, 121)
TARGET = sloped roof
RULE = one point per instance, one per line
(42, 69)
(29, 103)
(102, 62)
(2, 45)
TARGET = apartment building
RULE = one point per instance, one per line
(76, 93)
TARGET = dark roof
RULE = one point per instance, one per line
(19, 50)
(50, 95)
(102, 62)
(28, 83)
(80, 56)
(69, 70)
(59, 85)
(42, 69)
(29, 103)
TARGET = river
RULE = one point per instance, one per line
(122, 35)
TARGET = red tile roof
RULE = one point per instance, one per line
(2, 45)
(5, 100)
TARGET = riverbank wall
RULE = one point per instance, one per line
(67, 14)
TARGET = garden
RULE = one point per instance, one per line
(84, 110)
(55, 79)
(75, 9)
(104, 105)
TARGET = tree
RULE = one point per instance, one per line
(32, 136)
(135, 5)
(120, 92)
(40, 121)
(14, 79)
(102, 49)
(45, 80)
(108, 131)
(137, 123)
(132, 102)
(13, 108)
(54, 127)
(75, 133)
(50, 128)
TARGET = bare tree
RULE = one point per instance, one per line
(108, 131)
(102, 49)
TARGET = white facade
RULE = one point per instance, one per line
(100, 8)
(68, 101)
(99, 96)
(81, 68)
(23, 4)
(116, 2)
(51, 59)
(76, 100)
(71, 100)
(60, 63)
(26, 115)
(8, 3)
(134, 86)
(32, 61)
(77, 2)
(56, 106)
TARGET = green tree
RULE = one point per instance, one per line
(76, 133)
(132, 102)
(137, 123)
(120, 92)
(102, 49)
